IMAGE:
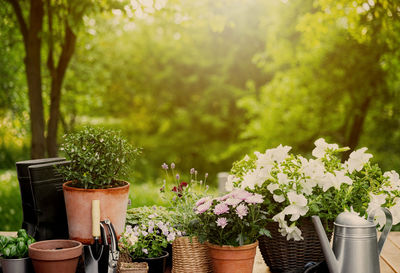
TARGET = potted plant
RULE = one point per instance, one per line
(231, 225)
(295, 188)
(188, 254)
(14, 253)
(147, 243)
(99, 159)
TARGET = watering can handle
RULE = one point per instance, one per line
(386, 230)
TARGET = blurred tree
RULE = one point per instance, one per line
(328, 62)
(56, 23)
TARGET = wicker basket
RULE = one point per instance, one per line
(291, 256)
(125, 259)
(188, 255)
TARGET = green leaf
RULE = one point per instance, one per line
(265, 232)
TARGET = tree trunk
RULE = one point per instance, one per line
(357, 126)
(34, 78)
(57, 77)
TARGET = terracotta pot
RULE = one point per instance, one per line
(233, 259)
(59, 256)
(78, 204)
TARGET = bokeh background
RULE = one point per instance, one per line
(202, 83)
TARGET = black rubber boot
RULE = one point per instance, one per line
(49, 202)
(29, 221)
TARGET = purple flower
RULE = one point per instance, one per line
(171, 237)
(192, 170)
(225, 197)
(255, 199)
(172, 165)
(144, 250)
(221, 209)
(164, 166)
(221, 222)
(202, 201)
(144, 233)
(241, 194)
(241, 211)
(206, 175)
(128, 229)
(232, 201)
(203, 207)
(177, 176)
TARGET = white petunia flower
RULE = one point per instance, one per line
(321, 146)
(357, 160)
(279, 198)
(229, 183)
(298, 206)
(283, 178)
(395, 210)
(394, 180)
(376, 201)
(250, 179)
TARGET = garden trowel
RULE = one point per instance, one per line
(101, 258)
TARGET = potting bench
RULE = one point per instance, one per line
(390, 256)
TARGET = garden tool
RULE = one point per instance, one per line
(101, 258)
(42, 198)
(356, 248)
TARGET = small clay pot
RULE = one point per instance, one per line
(59, 256)
(233, 259)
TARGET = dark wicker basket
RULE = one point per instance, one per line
(283, 256)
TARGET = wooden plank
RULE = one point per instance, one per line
(391, 253)
(385, 268)
(8, 233)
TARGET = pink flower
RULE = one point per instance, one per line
(241, 211)
(232, 201)
(255, 199)
(204, 207)
(241, 194)
(220, 209)
(226, 196)
(202, 201)
(221, 222)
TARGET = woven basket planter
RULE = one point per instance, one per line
(189, 255)
(125, 259)
(283, 256)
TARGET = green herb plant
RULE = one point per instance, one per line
(15, 247)
(99, 157)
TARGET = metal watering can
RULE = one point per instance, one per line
(356, 248)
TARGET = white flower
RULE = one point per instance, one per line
(229, 183)
(394, 180)
(395, 210)
(252, 178)
(376, 201)
(298, 206)
(357, 160)
(292, 232)
(272, 186)
(278, 198)
(283, 178)
(321, 147)
(271, 156)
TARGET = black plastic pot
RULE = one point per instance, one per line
(157, 264)
(23, 265)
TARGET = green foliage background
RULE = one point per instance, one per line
(202, 83)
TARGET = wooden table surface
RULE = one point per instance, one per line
(390, 256)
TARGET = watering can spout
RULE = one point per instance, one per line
(331, 260)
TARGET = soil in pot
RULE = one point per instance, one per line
(78, 204)
(23, 265)
(233, 259)
(52, 256)
(157, 264)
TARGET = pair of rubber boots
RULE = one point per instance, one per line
(43, 206)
